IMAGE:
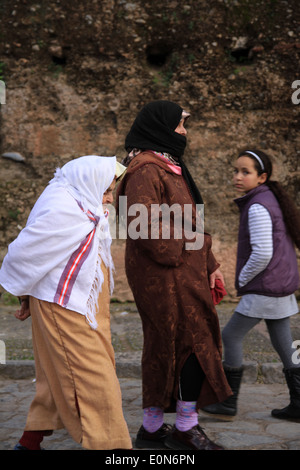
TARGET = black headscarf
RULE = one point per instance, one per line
(154, 129)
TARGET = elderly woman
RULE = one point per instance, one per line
(171, 280)
(60, 266)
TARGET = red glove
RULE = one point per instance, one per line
(218, 292)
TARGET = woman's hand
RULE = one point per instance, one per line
(24, 311)
(216, 275)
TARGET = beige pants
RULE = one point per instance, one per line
(76, 383)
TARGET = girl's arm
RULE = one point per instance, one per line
(261, 240)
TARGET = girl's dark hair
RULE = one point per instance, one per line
(291, 213)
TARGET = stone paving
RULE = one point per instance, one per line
(263, 387)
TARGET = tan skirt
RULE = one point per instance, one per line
(76, 383)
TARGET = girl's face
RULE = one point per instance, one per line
(108, 197)
(245, 175)
(180, 129)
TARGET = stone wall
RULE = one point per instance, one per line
(76, 74)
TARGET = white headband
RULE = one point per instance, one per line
(257, 158)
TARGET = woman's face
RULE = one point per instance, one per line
(245, 175)
(180, 129)
(108, 197)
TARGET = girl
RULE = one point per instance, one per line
(182, 360)
(266, 275)
(61, 267)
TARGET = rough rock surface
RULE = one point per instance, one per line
(76, 73)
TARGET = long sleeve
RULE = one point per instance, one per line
(212, 263)
(261, 240)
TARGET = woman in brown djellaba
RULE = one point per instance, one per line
(171, 280)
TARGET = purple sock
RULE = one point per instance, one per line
(153, 418)
(186, 415)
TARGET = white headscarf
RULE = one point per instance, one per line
(57, 256)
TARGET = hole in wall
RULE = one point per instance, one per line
(157, 54)
(59, 60)
(241, 54)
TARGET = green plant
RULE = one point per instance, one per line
(245, 12)
(14, 214)
(2, 67)
(55, 69)
(9, 299)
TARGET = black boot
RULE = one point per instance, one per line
(292, 411)
(229, 406)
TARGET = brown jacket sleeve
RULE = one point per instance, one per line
(212, 263)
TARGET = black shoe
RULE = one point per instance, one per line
(194, 439)
(221, 410)
(289, 413)
(228, 407)
(152, 440)
(292, 411)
